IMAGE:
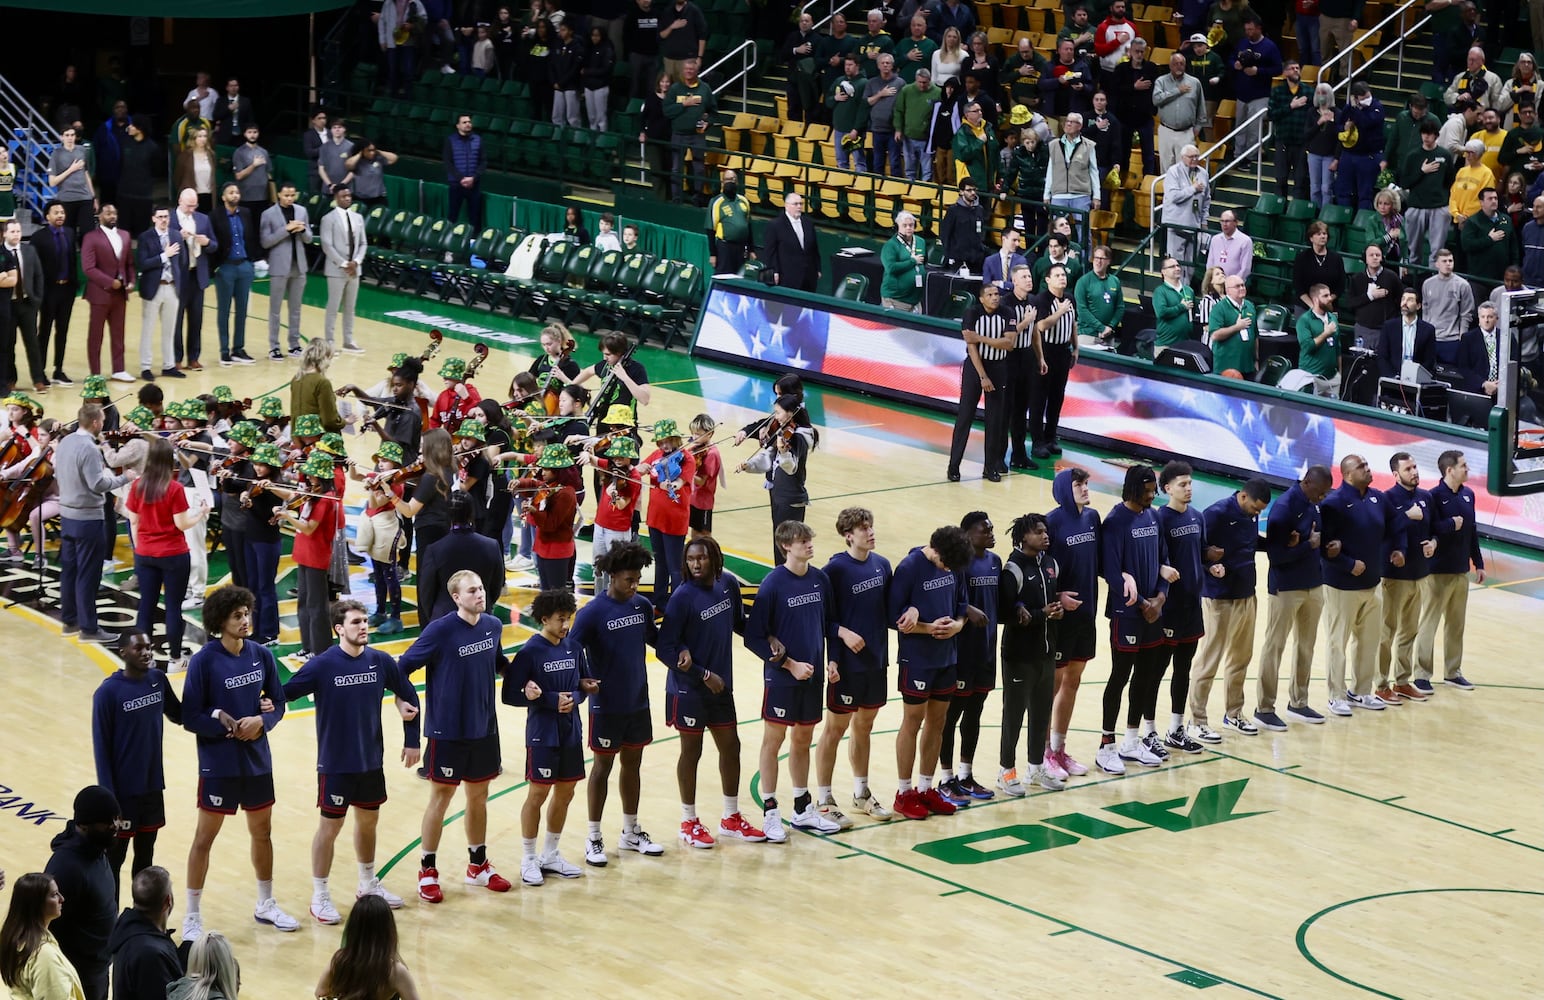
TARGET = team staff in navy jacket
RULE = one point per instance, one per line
(464, 660)
(1294, 583)
(1404, 587)
(1228, 610)
(1357, 520)
(1447, 597)
(348, 681)
(231, 698)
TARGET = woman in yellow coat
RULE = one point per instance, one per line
(31, 964)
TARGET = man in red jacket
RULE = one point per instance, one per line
(105, 257)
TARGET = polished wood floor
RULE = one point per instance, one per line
(1397, 854)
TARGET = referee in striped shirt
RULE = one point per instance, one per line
(989, 334)
(1024, 363)
(1057, 332)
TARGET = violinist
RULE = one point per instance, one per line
(787, 384)
(710, 474)
(622, 379)
(427, 507)
(570, 427)
(331, 445)
(161, 515)
(315, 520)
(670, 471)
(616, 504)
(786, 442)
(305, 431)
(421, 394)
(22, 413)
(455, 402)
(233, 476)
(475, 472)
(263, 540)
(378, 535)
(549, 508)
(498, 504)
(272, 424)
(93, 389)
(193, 416)
(34, 467)
(227, 408)
(397, 416)
(556, 367)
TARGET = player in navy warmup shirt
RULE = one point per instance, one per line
(976, 675)
(859, 638)
(927, 604)
(128, 720)
(616, 630)
(696, 644)
(347, 682)
(464, 660)
(1133, 563)
(1074, 529)
(1184, 533)
(231, 698)
(548, 677)
(1404, 587)
(1458, 547)
(787, 629)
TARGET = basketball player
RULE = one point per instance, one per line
(696, 642)
(1074, 528)
(231, 698)
(860, 585)
(462, 660)
(1184, 533)
(616, 629)
(927, 604)
(1404, 587)
(1028, 596)
(347, 682)
(128, 721)
(787, 629)
(1294, 586)
(1447, 604)
(977, 672)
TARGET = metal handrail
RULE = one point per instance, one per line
(1347, 52)
(1257, 151)
(746, 50)
(1398, 43)
(35, 138)
(835, 10)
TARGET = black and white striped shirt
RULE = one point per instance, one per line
(985, 324)
(1065, 328)
(1026, 339)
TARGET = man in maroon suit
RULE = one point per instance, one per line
(104, 255)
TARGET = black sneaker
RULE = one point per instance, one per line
(60, 378)
(225, 360)
(296, 352)
(1041, 451)
(147, 375)
(242, 358)
(275, 355)
(172, 373)
(1024, 464)
(1180, 740)
(1154, 742)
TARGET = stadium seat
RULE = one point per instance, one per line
(1260, 221)
(1292, 227)
(852, 288)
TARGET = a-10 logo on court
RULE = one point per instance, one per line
(1212, 805)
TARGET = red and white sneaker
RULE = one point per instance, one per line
(909, 804)
(935, 802)
(737, 827)
(694, 834)
(429, 886)
(485, 876)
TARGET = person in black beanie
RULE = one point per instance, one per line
(80, 868)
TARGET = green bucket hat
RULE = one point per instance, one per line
(666, 429)
(391, 451)
(269, 408)
(474, 429)
(333, 445)
(267, 454)
(194, 409)
(223, 394)
(244, 434)
(307, 425)
(94, 387)
(141, 417)
(174, 409)
(555, 456)
(619, 415)
(622, 447)
(318, 465)
(453, 369)
(398, 360)
(24, 401)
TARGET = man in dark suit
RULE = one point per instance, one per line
(55, 246)
(462, 549)
(997, 268)
(238, 239)
(158, 256)
(198, 238)
(792, 251)
(26, 297)
(1407, 337)
(232, 115)
(105, 258)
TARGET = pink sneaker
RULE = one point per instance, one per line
(1054, 768)
(1065, 761)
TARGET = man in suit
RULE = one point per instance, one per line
(236, 236)
(158, 258)
(311, 144)
(996, 268)
(55, 246)
(792, 251)
(26, 297)
(232, 114)
(343, 249)
(105, 257)
(285, 229)
(198, 238)
(1406, 337)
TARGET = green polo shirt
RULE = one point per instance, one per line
(1174, 310)
(1318, 360)
(1238, 351)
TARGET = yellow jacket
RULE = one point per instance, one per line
(48, 976)
(1464, 200)
(1492, 157)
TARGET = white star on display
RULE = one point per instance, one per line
(756, 390)
(778, 329)
(1302, 469)
(1264, 453)
(1125, 392)
(1315, 421)
(1232, 420)
(1188, 397)
(798, 359)
(758, 348)
(1249, 418)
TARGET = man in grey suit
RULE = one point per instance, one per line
(26, 295)
(284, 230)
(343, 248)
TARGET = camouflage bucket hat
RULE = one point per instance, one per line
(319, 465)
(555, 456)
(307, 425)
(453, 369)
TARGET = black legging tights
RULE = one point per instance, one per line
(1143, 669)
(1027, 688)
(144, 856)
(1179, 686)
(964, 711)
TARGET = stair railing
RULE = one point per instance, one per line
(34, 139)
(746, 55)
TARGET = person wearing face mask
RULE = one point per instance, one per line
(729, 226)
(80, 868)
(1361, 139)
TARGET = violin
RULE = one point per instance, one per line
(382, 480)
(25, 493)
(668, 471)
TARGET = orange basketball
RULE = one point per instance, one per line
(1233, 373)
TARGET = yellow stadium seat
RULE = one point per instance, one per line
(791, 128)
(819, 133)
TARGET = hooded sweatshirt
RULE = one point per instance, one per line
(145, 960)
(85, 878)
(1074, 545)
(1028, 582)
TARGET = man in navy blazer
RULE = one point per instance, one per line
(199, 243)
(996, 268)
(161, 266)
(1391, 345)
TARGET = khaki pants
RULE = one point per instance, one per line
(1447, 601)
(1334, 34)
(1353, 626)
(1402, 603)
(1287, 612)
(1229, 642)
(1170, 142)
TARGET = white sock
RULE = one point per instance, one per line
(1131, 734)
(265, 889)
(731, 805)
(194, 895)
(629, 822)
(1177, 721)
(823, 794)
(688, 812)
(594, 830)
(550, 846)
(963, 771)
(366, 873)
(1058, 741)
(1148, 727)
(903, 785)
(528, 847)
(318, 888)
(859, 786)
(925, 782)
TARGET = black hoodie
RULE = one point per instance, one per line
(1029, 582)
(85, 878)
(145, 961)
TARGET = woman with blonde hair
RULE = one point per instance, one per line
(213, 972)
(196, 169)
(1214, 285)
(949, 58)
(312, 391)
(1388, 230)
(32, 965)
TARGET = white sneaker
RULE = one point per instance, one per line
(640, 842)
(376, 889)
(192, 604)
(1108, 760)
(829, 810)
(1202, 733)
(772, 826)
(1008, 782)
(122, 377)
(268, 912)
(555, 864)
(1370, 702)
(1240, 723)
(323, 910)
(595, 852)
(812, 820)
(868, 803)
(530, 871)
(1339, 706)
(1039, 775)
(192, 928)
(520, 564)
(1137, 752)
